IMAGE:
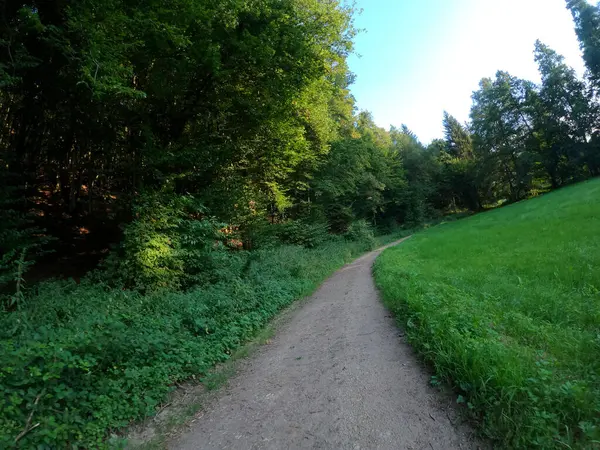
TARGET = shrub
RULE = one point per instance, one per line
(171, 244)
(98, 358)
(361, 231)
(260, 234)
(305, 233)
(339, 217)
(20, 242)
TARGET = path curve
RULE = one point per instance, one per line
(338, 375)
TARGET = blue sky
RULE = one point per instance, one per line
(418, 58)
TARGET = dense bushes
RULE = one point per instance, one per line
(20, 242)
(83, 360)
(360, 231)
(171, 244)
(305, 233)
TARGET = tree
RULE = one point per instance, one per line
(458, 139)
(503, 131)
(458, 162)
(360, 177)
(233, 103)
(416, 202)
(564, 118)
(587, 27)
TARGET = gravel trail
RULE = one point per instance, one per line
(337, 375)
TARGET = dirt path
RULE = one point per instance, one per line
(338, 375)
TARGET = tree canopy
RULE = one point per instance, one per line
(246, 107)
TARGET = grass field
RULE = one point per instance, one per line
(506, 307)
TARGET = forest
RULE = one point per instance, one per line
(166, 167)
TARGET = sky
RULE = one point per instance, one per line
(417, 58)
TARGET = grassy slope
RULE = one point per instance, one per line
(506, 305)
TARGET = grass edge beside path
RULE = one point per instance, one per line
(505, 306)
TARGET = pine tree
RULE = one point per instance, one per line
(458, 138)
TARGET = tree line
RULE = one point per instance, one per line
(113, 112)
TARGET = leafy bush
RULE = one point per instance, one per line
(361, 230)
(305, 233)
(260, 234)
(339, 217)
(98, 358)
(171, 244)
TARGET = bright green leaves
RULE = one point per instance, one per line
(230, 95)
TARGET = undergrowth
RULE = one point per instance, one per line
(506, 307)
(82, 361)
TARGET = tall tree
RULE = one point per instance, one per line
(232, 102)
(587, 27)
(361, 176)
(458, 162)
(458, 139)
(503, 131)
(420, 166)
(564, 117)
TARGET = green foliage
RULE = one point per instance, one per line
(304, 233)
(171, 244)
(83, 360)
(587, 27)
(458, 139)
(361, 231)
(145, 116)
(501, 124)
(20, 242)
(415, 204)
(529, 138)
(505, 306)
(14, 244)
(261, 234)
(459, 167)
(339, 217)
(232, 102)
(360, 178)
(564, 118)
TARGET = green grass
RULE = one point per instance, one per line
(506, 307)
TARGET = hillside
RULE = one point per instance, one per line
(506, 306)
